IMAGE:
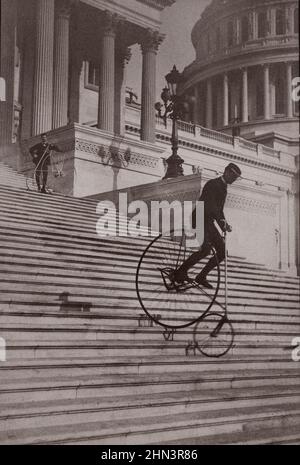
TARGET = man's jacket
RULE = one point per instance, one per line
(213, 195)
(41, 152)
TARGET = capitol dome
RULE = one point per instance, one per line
(246, 58)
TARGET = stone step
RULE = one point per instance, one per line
(94, 366)
(133, 315)
(150, 430)
(45, 414)
(53, 257)
(111, 292)
(255, 330)
(126, 283)
(36, 267)
(44, 385)
(254, 435)
(38, 350)
(92, 231)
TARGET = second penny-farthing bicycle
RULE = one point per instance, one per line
(174, 305)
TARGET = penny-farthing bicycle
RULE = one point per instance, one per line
(174, 305)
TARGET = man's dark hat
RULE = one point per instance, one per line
(233, 167)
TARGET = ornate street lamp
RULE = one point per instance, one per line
(174, 108)
(236, 129)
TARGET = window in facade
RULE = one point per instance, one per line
(245, 29)
(262, 24)
(296, 20)
(280, 20)
(91, 75)
(230, 33)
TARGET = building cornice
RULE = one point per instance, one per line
(230, 155)
(201, 70)
(159, 4)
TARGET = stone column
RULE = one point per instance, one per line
(7, 44)
(225, 100)
(284, 229)
(107, 73)
(270, 23)
(254, 24)
(244, 95)
(149, 46)
(43, 80)
(292, 225)
(196, 115)
(76, 63)
(123, 56)
(266, 71)
(209, 108)
(61, 65)
(289, 102)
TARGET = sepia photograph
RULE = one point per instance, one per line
(149, 225)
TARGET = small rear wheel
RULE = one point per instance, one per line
(213, 335)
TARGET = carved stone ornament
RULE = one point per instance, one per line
(64, 7)
(111, 21)
(151, 41)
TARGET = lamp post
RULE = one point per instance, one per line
(236, 130)
(174, 108)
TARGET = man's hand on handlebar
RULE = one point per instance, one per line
(225, 226)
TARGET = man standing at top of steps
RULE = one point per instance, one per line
(40, 154)
(213, 195)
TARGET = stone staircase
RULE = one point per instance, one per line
(80, 375)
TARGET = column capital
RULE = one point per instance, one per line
(124, 54)
(64, 7)
(151, 41)
(111, 22)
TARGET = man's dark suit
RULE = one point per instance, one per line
(213, 195)
(41, 158)
(41, 153)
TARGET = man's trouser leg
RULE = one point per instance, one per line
(192, 260)
(45, 165)
(218, 242)
(38, 172)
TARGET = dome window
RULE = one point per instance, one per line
(245, 29)
(262, 24)
(296, 20)
(279, 21)
(230, 33)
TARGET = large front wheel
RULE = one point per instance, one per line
(165, 301)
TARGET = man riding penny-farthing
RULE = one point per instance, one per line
(172, 277)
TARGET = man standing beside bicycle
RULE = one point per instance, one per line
(213, 195)
(40, 154)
